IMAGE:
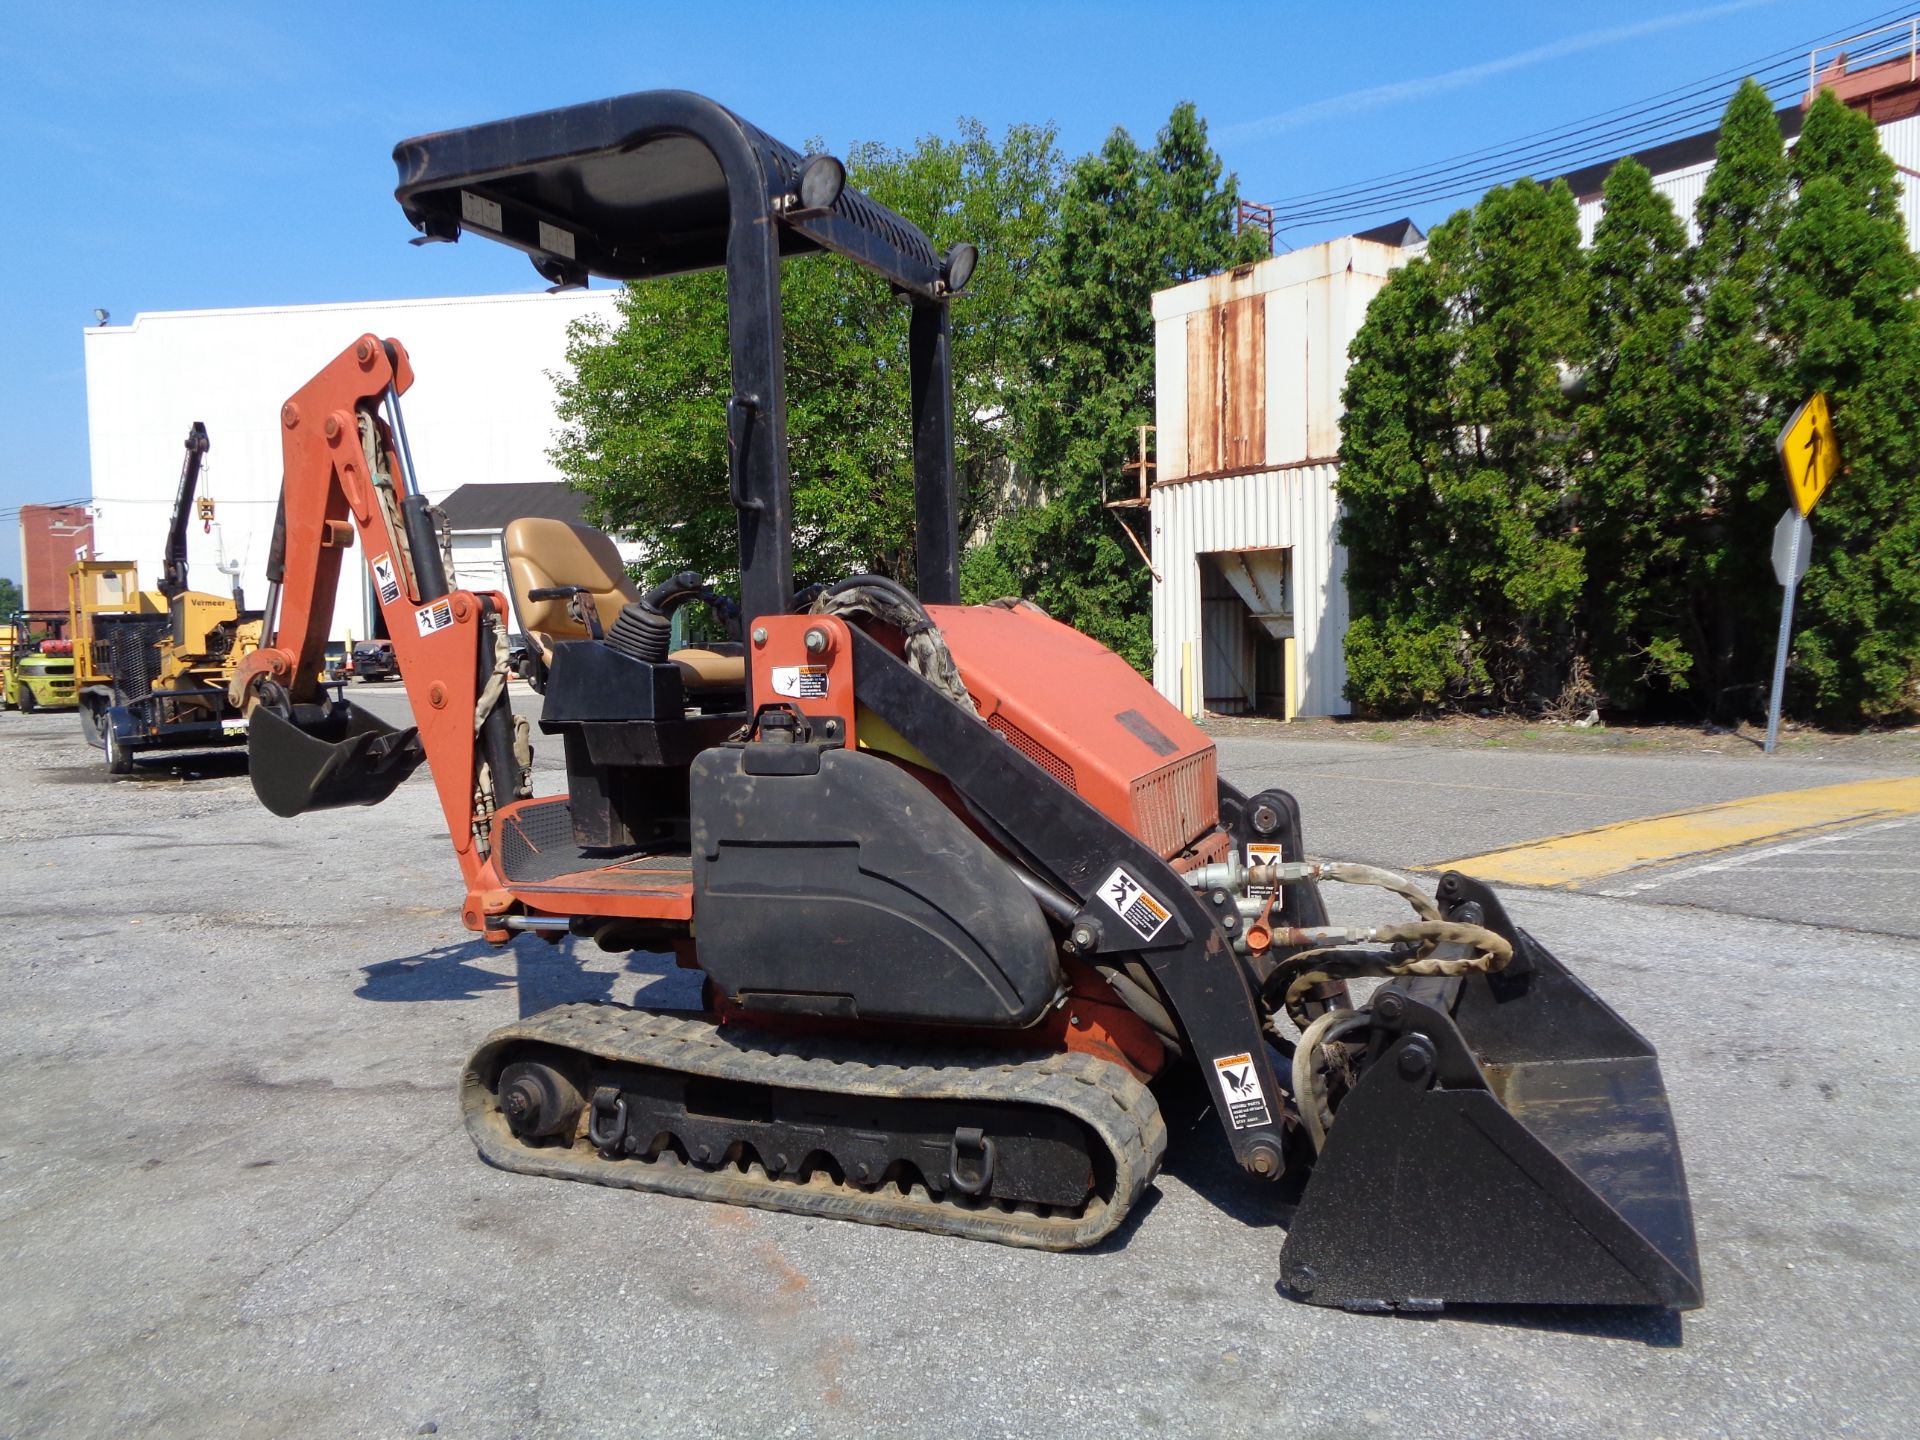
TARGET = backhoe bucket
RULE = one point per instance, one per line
(327, 756)
(1510, 1142)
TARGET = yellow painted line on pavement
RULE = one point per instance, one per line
(1570, 861)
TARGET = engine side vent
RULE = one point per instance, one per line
(1176, 803)
(132, 646)
(1034, 750)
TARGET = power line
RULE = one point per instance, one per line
(1606, 135)
(1795, 54)
(13, 511)
(1556, 161)
(1539, 152)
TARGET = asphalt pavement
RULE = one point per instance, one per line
(236, 1198)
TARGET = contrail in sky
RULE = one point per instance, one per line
(1375, 97)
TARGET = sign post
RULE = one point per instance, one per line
(1811, 459)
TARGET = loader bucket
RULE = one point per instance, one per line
(324, 757)
(1509, 1143)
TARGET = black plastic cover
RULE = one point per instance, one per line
(589, 680)
(853, 892)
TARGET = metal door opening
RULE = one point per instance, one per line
(1246, 632)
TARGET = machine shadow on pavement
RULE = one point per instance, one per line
(1656, 1329)
(212, 765)
(545, 975)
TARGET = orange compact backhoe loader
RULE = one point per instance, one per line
(962, 885)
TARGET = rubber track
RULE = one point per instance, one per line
(1104, 1098)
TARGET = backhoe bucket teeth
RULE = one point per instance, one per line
(326, 757)
(1510, 1142)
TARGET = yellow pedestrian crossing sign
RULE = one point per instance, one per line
(1808, 453)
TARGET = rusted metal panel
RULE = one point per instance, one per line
(1203, 392)
(1227, 387)
(1243, 383)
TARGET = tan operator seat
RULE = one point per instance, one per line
(543, 554)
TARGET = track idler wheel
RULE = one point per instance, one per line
(538, 1100)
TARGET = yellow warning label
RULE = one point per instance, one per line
(1240, 1087)
(1129, 899)
(1809, 453)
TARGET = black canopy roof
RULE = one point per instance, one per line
(639, 186)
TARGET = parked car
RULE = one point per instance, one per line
(375, 660)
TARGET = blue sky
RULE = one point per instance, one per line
(195, 156)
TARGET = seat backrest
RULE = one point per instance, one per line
(541, 554)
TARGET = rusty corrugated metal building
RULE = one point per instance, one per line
(1250, 607)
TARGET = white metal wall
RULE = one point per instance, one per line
(481, 410)
(1294, 507)
(1899, 138)
(1682, 187)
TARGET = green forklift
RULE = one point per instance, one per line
(36, 662)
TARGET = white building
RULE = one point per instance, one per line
(1249, 595)
(481, 411)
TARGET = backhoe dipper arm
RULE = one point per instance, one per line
(344, 473)
(324, 490)
(173, 569)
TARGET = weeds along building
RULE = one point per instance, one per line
(480, 413)
(1249, 592)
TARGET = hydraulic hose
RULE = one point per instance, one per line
(1307, 1098)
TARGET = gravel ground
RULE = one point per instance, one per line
(235, 1198)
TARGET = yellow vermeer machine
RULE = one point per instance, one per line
(153, 665)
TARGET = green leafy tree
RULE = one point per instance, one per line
(1131, 221)
(1404, 643)
(642, 402)
(1639, 501)
(1847, 288)
(1733, 385)
(1465, 565)
(9, 597)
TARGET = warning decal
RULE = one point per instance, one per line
(1261, 853)
(437, 616)
(478, 210)
(1240, 1088)
(802, 682)
(1131, 902)
(383, 580)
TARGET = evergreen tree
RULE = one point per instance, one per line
(1733, 386)
(1492, 532)
(1847, 299)
(1130, 222)
(1404, 641)
(1639, 501)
